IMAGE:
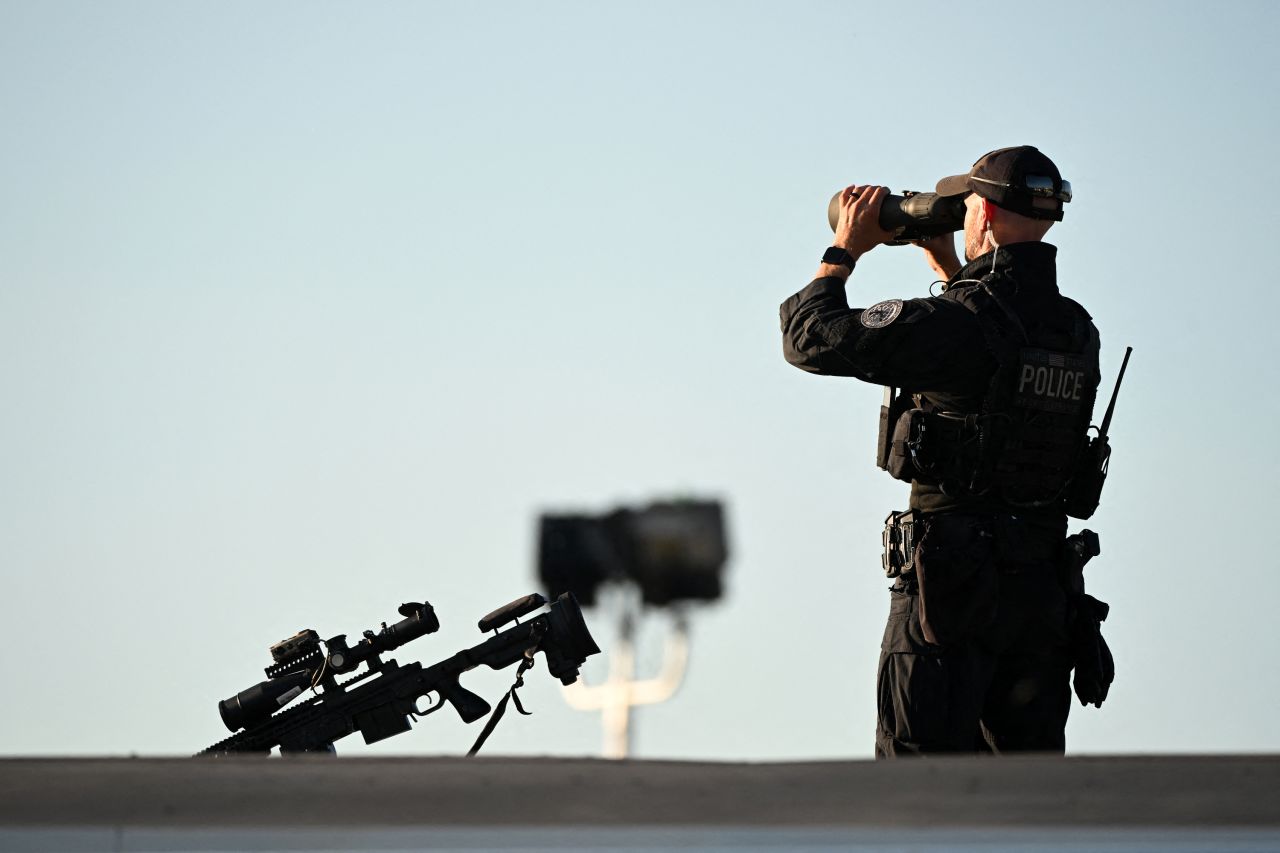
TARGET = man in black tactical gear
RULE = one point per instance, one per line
(990, 388)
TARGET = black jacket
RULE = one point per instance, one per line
(935, 346)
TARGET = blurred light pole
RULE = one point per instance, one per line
(662, 556)
(621, 691)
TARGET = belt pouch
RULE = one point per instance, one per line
(888, 441)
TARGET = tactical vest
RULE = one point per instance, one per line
(1023, 444)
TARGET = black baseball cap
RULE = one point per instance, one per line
(1020, 179)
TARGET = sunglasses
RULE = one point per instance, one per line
(1039, 185)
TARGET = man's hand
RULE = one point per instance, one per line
(940, 252)
(858, 231)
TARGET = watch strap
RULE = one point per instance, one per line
(839, 257)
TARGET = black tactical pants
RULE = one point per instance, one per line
(974, 657)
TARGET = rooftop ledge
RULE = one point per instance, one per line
(1024, 791)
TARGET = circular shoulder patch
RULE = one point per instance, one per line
(882, 313)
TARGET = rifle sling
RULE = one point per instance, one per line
(501, 709)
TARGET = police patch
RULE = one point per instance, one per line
(882, 313)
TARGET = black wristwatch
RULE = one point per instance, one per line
(839, 257)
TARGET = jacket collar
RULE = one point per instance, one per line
(1033, 264)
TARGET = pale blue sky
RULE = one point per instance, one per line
(306, 309)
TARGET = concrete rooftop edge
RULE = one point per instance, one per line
(1175, 791)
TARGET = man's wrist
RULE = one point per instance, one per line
(837, 262)
(946, 267)
(833, 271)
(946, 264)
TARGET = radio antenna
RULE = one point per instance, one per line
(1111, 407)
